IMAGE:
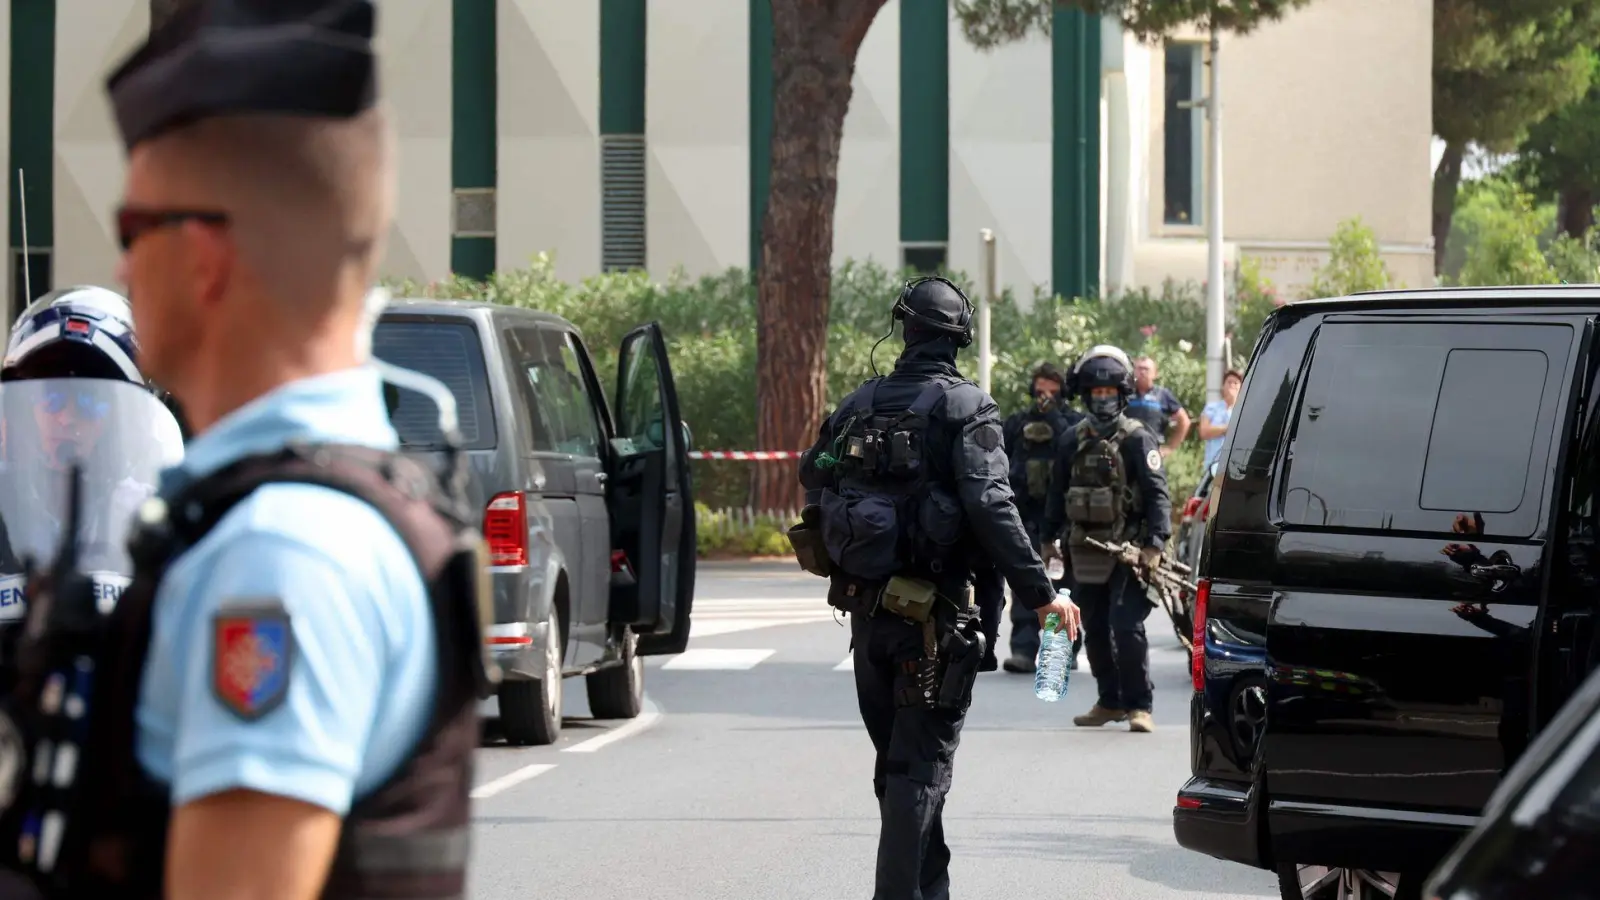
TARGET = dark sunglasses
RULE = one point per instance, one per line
(134, 222)
(88, 406)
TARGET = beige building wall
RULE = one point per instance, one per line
(5, 141)
(414, 41)
(866, 222)
(697, 116)
(94, 35)
(548, 196)
(1327, 115)
(1000, 169)
(91, 37)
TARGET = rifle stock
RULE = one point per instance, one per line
(1170, 574)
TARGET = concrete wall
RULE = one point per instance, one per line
(414, 39)
(548, 197)
(866, 223)
(1000, 137)
(93, 35)
(697, 119)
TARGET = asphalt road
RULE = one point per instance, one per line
(750, 777)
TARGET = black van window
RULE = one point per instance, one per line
(1405, 427)
(452, 353)
(552, 385)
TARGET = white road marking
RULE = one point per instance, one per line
(714, 616)
(648, 717)
(708, 659)
(704, 629)
(848, 665)
(491, 788)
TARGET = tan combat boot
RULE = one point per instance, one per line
(1140, 720)
(1098, 715)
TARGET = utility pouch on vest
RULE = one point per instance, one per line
(805, 536)
(1038, 472)
(940, 523)
(861, 533)
(910, 598)
(962, 655)
(853, 596)
(1092, 505)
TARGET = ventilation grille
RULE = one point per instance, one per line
(622, 225)
(473, 214)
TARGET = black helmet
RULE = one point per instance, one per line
(937, 305)
(74, 332)
(1103, 366)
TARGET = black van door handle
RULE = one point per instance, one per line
(1500, 573)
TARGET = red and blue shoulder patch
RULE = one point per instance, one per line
(252, 647)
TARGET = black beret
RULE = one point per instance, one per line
(310, 58)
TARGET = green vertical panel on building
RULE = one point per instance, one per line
(473, 130)
(760, 121)
(1067, 162)
(33, 90)
(1089, 85)
(924, 121)
(622, 66)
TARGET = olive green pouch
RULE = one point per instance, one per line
(910, 598)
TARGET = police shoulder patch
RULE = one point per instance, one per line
(252, 647)
(1153, 460)
(987, 436)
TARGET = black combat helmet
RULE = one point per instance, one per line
(1103, 366)
(934, 307)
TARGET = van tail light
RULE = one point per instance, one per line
(1205, 509)
(1197, 653)
(1191, 507)
(505, 529)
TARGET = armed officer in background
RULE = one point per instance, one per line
(905, 475)
(1033, 438)
(1113, 489)
(291, 681)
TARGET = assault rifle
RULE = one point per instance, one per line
(1170, 582)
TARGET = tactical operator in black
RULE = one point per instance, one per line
(908, 481)
(1033, 438)
(1115, 490)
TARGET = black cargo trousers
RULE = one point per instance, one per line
(916, 748)
(1114, 635)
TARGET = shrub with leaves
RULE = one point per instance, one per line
(1354, 263)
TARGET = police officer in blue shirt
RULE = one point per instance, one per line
(293, 676)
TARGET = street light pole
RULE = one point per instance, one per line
(986, 298)
(1215, 310)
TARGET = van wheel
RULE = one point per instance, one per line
(618, 692)
(530, 711)
(1323, 883)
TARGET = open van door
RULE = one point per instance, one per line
(650, 498)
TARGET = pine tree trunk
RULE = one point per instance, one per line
(813, 60)
(1446, 179)
(1575, 211)
(162, 10)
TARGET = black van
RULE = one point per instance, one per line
(1398, 582)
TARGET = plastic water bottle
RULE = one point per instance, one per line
(1055, 658)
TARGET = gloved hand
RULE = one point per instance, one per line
(1150, 558)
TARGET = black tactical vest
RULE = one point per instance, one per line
(407, 840)
(1038, 452)
(883, 517)
(1101, 499)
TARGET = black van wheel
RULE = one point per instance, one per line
(1323, 883)
(530, 710)
(618, 692)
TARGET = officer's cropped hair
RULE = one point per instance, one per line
(310, 200)
(1233, 373)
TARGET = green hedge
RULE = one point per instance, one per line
(710, 328)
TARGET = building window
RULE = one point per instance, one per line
(924, 259)
(1184, 127)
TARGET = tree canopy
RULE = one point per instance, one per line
(1561, 157)
(991, 23)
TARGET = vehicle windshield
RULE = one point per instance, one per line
(120, 435)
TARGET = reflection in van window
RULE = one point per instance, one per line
(1402, 436)
(450, 352)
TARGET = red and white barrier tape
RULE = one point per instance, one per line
(746, 455)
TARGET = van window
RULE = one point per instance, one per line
(558, 402)
(1408, 427)
(452, 353)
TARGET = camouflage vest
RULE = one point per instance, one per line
(1101, 498)
(1039, 457)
